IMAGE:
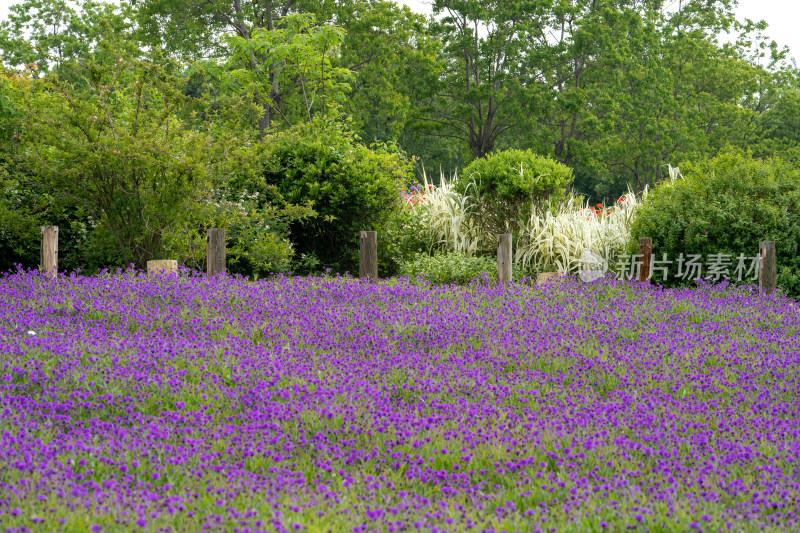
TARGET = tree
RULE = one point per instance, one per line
(352, 187)
(727, 205)
(492, 53)
(650, 87)
(116, 147)
(616, 89)
(387, 48)
(51, 33)
(667, 91)
(18, 209)
(296, 56)
(198, 29)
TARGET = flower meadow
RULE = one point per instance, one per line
(186, 403)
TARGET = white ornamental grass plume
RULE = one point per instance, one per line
(448, 216)
(555, 238)
(674, 174)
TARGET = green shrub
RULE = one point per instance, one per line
(448, 268)
(400, 237)
(507, 184)
(256, 226)
(117, 147)
(727, 205)
(351, 188)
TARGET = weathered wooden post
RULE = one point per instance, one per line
(215, 251)
(646, 251)
(504, 258)
(368, 255)
(163, 266)
(48, 259)
(767, 275)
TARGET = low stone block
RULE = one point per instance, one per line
(549, 277)
(163, 266)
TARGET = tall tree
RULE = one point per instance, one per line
(199, 29)
(296, 57)
(665, 91)
(117, 148)
(616, 89)
(50, 33)
(388, 49)
(493, 53)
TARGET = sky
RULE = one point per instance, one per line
(781, 15)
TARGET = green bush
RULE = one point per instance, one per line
(448, 268)
(113, 162)
(256, 226)
(401, 236)
(727, 205)
(351, 188)
(507, 184)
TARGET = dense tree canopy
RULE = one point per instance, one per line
(614, 89)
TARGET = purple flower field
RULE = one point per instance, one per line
(332, 404)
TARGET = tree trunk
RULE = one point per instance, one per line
(264, 121)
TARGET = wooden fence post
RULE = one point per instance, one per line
(504, 258)
(767, 275)
(368, 255)
(48, 259)
(646, 251)
(215, 251)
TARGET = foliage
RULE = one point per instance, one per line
(25, 202)
(450, 267)
(17, 218)
(401, 236)
(19, 222)
(197, 29)
(256, 228)
(507, 184)
(490, 56)
(350, 186)
(234, 41)
(553, 237)
(53, 33)
(727, 205)
(557, 237)
(424, 220)
(266, 63)
(117, 149)
(133, 183)
(448, 216)
(389, 51)
(666, 91)
(615, 91)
